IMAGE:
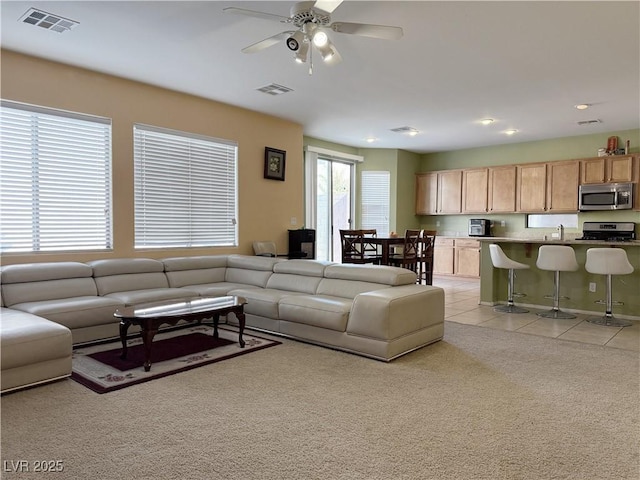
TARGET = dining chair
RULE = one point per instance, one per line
(370, 249)
(409, 256)
(426, 246)
(353, 250)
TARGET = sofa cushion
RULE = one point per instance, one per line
(77, 312)
(293, 283)
(247, 270)
(136, 297)
(27, 339)
(346, 288)
(35, 282)
(184, 271)
(217, 289)
(392, 276)
(262, 301)
(308, 268)
(128, 274)
(317, 310)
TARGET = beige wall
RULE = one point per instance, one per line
(265, 206)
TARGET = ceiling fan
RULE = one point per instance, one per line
(311, 20)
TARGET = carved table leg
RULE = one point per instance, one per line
(240, 316)
(216, 319)
(147, 339)
(124, 326)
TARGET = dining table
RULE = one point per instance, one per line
(385, 244)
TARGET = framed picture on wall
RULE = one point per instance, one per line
(274, 163)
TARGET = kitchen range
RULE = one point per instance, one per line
(609, 231)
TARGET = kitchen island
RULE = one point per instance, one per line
(537, 283)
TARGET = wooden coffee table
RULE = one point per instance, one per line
(149, 316)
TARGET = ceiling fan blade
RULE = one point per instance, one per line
(327, 5)
(385, 32)
(256, 14)
(267, 42)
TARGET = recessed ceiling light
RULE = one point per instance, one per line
(582, 106)
(487, 121)
(511, 131)
(370, 139)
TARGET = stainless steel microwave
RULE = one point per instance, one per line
(606, 196)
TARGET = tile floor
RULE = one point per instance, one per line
(461, 305)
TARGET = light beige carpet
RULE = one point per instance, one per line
(482, 404)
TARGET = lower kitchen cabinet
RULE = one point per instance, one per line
(456, 256)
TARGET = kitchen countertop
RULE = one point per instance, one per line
(554, 241)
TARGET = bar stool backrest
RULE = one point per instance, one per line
(557, 258)
(608, 261)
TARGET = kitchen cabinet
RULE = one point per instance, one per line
(456, 256)
(443, 256)
(439, 192)
(502, 189)
(607, 169)
(475, 186)
(467, 257)
(563, 179)
(426, 193)
(547, 187)
(450, 191)
(531, 187)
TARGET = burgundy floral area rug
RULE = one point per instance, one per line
(100, 368)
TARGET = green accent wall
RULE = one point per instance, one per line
(565, 148)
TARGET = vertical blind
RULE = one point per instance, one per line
(185, 189)
(55, 180)
(375, 201)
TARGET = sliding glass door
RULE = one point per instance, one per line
(334, 206)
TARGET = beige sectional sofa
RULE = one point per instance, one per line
(375, 311)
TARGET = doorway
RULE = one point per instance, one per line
(334, 206)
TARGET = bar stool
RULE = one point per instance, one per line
(556, 258)
(608, 261)
(500, 260)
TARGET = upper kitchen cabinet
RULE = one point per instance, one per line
(607, 169)
(547, 187)
(562, 186)
(531, 187)
(450, 191)
(439, 192)
(475, 186)
(502, 189)
(426, 193)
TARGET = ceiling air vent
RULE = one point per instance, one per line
(275, 89)
(48, 21)
(589, 122)
(408, 130)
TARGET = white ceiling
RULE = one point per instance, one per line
(525, 64)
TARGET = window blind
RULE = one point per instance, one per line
(185, 189)
(375, 201)
(55, 180)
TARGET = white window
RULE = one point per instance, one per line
(55, 180)
(375, 201)
(185, 189)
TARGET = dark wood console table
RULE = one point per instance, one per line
(150, 316)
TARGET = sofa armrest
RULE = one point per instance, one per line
(390, 313)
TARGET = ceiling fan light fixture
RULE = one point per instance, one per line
(295, 41)
(320, 39)
(303, 51)
(327, 51)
